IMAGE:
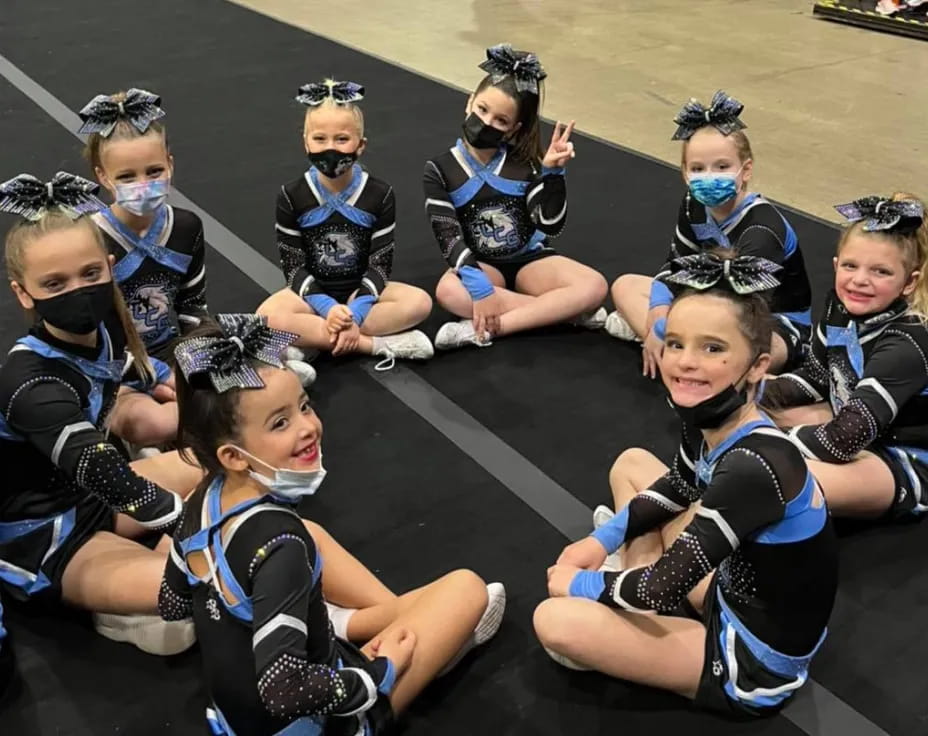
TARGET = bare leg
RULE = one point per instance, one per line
(801, 415)
(453, 297)
(631, 295)
(286, 311)
(660, 651)
(443, 617)
(779, 354)
(563, 289)
(400, 307)
(137, 418)
(110, 574)
(634, 471)
(863, 488)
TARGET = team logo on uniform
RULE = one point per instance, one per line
(336, 252)
(212, 608)
(717, 668)
(150, 308)
(495, 229)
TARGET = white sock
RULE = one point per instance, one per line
(340, 617)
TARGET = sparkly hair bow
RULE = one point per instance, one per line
(879, 213)
(743, 275)
(315, 93)
(27, 196)
(523, 66)
(722, 114)
(103, 112)
(226, 359)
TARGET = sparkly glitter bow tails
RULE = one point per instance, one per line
(884, 214)
(140, 108)
(743, 275)
(27, 196)
(523, 66)
(315, 93)
(722, 114)
(226, 359)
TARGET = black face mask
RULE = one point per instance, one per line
(79, 311)
(332, 163)
(711, 413)
(481, 135)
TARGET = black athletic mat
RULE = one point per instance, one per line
(912, 22)
(399, 495)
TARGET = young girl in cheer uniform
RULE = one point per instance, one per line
(276, 600)
(493, 200)
(71, 507)
(158, 249)
(745, 505)
(718, 210)
(868, 445)
(335, 231)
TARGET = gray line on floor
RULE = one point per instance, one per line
(816, 711)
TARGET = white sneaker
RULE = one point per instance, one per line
(411, 345)
(151, 634)
(458, 334)
(304, 371)
(591, 320)
(566, 661)
(307, 355)
(487, 626)
(602, 515)
(619, 328)
(339, 617)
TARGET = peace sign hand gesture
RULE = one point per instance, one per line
(561, 149)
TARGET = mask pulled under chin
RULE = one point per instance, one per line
(79, 311)
(481, 135)
(711, 413)
(332, 163)
(288, 485)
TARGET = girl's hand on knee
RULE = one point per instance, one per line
(397, 645)
(559, 579)
(587, 554)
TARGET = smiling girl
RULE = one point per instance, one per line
(719, 210)
(868, 445)
(493, 200)
(262, 584)
(750, 543)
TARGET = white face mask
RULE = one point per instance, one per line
(287, 485)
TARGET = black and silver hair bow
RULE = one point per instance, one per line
(879, 213)
(315, 93)
(226, 359)
(27, 196)
(139, 108)
(743, 274)
(722, 114)
(523, 66)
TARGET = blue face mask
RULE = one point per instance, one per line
(143, 197)
(287, 485)
(714, 189)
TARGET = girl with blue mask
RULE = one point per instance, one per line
(731, 546)
(158, 249)
(296, 635)
(719, 210)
